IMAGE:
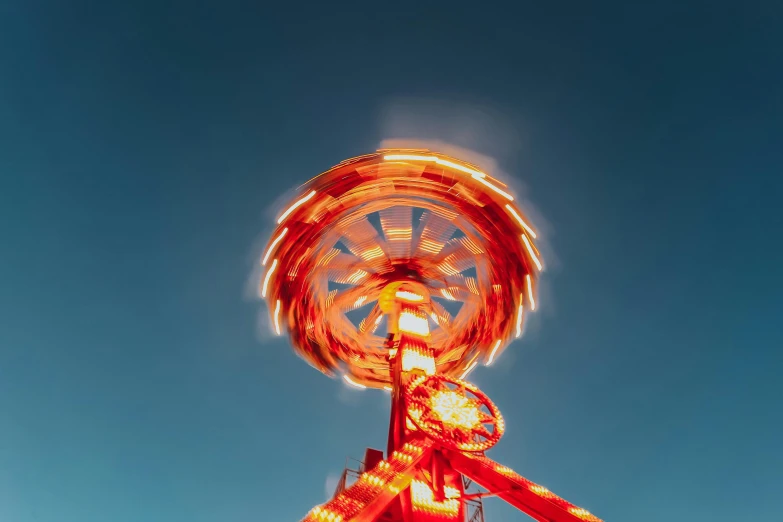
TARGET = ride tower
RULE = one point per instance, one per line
(403, 270)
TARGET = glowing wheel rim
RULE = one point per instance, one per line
(468, 421)
(399, 215)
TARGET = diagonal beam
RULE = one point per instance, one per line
(530, 498)
(369, 496)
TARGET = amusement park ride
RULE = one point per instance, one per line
(403, 270)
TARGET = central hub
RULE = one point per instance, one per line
(455, 410)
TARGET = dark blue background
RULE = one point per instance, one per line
(144, 149)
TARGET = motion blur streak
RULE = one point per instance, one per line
(521, 221)
(277, 317)
(530, 292)
(267, 277)
(494, 350)
(496, 189)
(353, 383)
(520, 313)
(530, 251)
(273, 245)
(296, 205)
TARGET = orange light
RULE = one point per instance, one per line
(277, 317)
(494, 350)
(521, 221)
(455, 410)
(530, 292)
(503, 193)
(520, 312)
(423, 499)
(353, 383)
(409, 296)
(531, 251)
(468, 369)
(412, 359)
(267, 277)
(359, 302)
(415, 324)
(296, 205)
(273, 245)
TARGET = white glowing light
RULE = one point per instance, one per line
(493, 187)
(277, 317)
(519, 315)
(494, 350)
(532, 252)
(267, 277)
(296, 205)
(521, 221)
(273, 245)
(353, 383)
(530, 292)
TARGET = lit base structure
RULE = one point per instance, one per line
(440, 427)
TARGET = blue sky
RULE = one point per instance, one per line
(144, 149)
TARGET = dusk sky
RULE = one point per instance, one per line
(145, 149)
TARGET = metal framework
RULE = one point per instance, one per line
(403, 270)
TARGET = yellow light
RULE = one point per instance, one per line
(296, 205)
(356, 277)
(455, 410)
(530, 251)
(474, 173)
(273, 245)
(359, 302)
(423, 499)
(494, 350)
(412, 359)
(371, 253)
(541, 491)
(583, 514)
(267, 277)
(520, 311)
(415, 324)
(521, 221)
(277, 317)
(503, 193)
(409, 296)
(530, 296)
(468, 369)
(447, 295)
(353, 383)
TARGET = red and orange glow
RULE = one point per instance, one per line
(439, 219)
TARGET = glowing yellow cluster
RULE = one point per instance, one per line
(455, 410)
(583, 514)
(414, 359)
(414, 324)
(423, 499)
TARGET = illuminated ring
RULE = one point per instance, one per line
(454, 413)
(399, 215)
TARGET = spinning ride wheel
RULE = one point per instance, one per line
(400, 215)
